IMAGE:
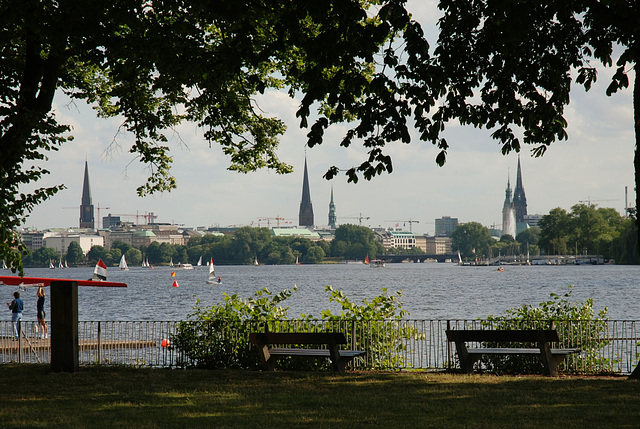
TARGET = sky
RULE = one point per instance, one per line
(594, 165)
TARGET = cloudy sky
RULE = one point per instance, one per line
(595, 164)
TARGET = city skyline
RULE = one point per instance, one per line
(594, 165)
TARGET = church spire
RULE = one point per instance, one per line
(86, 207)
(305, 216)
(332, 211)
(519, 198)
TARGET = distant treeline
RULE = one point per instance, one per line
(244, 247)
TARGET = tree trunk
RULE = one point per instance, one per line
(635, 375)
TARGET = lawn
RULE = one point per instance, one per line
(106, 397)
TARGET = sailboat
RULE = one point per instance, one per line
(65, 264)
(199, 264)
(4, 265)
(123, 264)
(212, 274)
(366, 259)
(297, 263)
(60, 264)
(51, 265)
(255, 261)
(99, 272)
(171, 262)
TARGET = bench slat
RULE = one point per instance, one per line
(542, 337)
(269, 355)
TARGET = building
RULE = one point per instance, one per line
(532, 220)
(60, 242)
(87, 219)
(111, 222)
(398, 239)
(508, 214)
(445, 226)
(332, 212)
(434, 245)
(296, 232)
(305, 216)
(519, 198)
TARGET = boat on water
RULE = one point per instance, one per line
(185, 266)
(199, 264)
(53, 267)
(366, 259)
(171, 262)
(99, 272)
(297, 262)
(255, 261)
(377, 263)
(60, 265)
(4, 265)
(212, 274)
(123, 264)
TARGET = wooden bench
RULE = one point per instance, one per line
(269, 355)
(542, 337)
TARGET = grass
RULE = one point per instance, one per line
(106, 397)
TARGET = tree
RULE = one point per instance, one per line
(471, 239)
(354, 242)
(554, 231)
(508, 66)
(75, 254)
(96, 253)
(158, 64)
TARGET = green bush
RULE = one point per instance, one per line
(218, 336)
(578, 326)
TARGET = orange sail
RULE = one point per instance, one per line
(366, 259)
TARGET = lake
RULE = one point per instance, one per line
(429, 290)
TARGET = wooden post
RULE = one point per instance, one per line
(64, 326)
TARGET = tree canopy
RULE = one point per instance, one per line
(506, 66)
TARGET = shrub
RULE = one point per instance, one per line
(578, 326)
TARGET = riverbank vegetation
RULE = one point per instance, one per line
(108, 397)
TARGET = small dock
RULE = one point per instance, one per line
(8, 344)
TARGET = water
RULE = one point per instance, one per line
(430, 290)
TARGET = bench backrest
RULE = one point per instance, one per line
(298, 338)
(515, 335)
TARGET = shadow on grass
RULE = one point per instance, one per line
(97, 397)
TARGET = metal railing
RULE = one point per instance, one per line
(612, 347)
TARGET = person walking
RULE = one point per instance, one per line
(16, 306)
(42, 321)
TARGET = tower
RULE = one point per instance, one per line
(508, 215)
(305, 216)
(86, 207)
(519, 199)
(332, 211)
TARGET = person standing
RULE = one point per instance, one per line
(42, 321)
(16, 306)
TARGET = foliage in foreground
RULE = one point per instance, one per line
(218, 336)
(578, 326)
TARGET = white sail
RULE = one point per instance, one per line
(212, 273)
(4, 265)
(255, 261)
(51, 264)
(199, 262)
(123, 264)
(60, 264)
(171, 262)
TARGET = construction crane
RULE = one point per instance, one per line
(356, 217)
(148, 217)
(588, 201)
(410, 222)
(269, 219)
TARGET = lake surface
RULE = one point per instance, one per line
(429, 290)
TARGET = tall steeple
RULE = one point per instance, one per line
(508, 215)
(86, 207)
(519, 199)
(305, 216)
(332, 211)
